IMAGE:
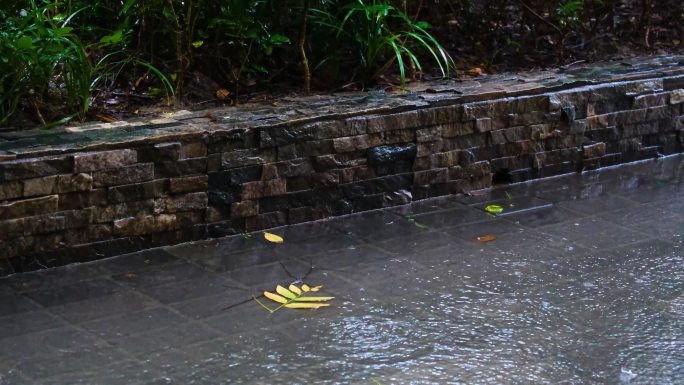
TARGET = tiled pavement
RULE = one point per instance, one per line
(583, 284)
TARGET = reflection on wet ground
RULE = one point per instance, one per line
(583, 284)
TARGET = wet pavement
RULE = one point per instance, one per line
(583, 284)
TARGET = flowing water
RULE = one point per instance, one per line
(583, 284)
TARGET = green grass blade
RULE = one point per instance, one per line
(159, 74)
(432, 52)
(448, 60)
(413, 57)
(400, 62)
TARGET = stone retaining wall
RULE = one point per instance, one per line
(76, 206)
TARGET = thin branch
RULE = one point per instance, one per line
(240, 303)
(39, 115)
(561, 34)
(297, 279)
(264, 306)
(540, 17)
(311, 267)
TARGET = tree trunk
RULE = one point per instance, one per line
(302, 47)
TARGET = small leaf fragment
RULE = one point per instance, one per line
(285, 293)
(305, 288)
(316, 288)
(305, 305)
(275, 297)
(273, 238)
(312, 299)
(419, 225)
(475, 71)
(485, 238)
(494, 209)
(222, 94)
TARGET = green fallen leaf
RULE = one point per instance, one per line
(420, 225)
(494, 209)
(411, 219)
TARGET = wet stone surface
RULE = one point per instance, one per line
(584, 284)
(294, 110)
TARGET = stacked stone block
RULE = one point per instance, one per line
(77, 206)
(83, 206)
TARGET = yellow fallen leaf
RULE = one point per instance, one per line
(485, 238)
(295, 289)
(273, 238)
(305, 305)
(105, 118)
(313, 299)
(285, 293)
(275, 297)
(292, 298)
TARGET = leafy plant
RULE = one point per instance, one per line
(246, 29)
(176, 21)
(42, 62)
(381, 31)
(293, 298)
(47, 67)
(111, 53)
(569, 13)
(108, 67)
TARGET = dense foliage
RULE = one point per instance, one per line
(64, 59)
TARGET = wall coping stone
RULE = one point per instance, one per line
(290, 111)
